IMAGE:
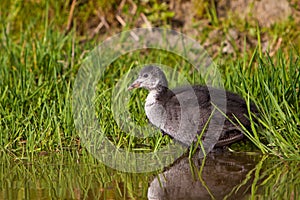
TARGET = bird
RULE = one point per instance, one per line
(183, 112)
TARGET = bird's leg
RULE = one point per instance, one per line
(163, 132)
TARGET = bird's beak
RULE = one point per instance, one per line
(135, 84)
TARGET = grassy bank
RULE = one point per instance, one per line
(41, 54)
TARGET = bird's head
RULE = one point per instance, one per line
(151, 78)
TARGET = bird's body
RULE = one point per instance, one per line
(183, 113)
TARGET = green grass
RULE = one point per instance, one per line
(37, 71)
(39, 61)
(273, 85)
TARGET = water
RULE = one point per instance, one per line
(79, 176)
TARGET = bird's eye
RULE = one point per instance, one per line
(145, 75)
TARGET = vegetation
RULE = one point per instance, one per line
(40, 59)
(44, 43)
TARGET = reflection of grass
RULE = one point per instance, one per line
(280, 181)
(67, 176)
(39, 65)
(273, 179)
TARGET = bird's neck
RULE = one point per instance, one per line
(152, 97)
(158, 96)
(154, 108)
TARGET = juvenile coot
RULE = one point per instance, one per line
(182, 113)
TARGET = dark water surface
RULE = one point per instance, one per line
(220, 176)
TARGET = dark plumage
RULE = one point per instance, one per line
(183, 112)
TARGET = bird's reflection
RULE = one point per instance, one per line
(218, 176)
